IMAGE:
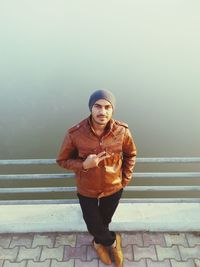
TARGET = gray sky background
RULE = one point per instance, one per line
(54, 54)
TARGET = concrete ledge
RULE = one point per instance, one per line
(128, 217)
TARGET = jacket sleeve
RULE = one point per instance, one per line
(129, 157)
(68, 155)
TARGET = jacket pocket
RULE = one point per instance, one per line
(89, 180)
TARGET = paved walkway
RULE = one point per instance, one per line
(141, 249)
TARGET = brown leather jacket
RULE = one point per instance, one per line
(112, 173)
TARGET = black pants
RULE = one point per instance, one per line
(97, 214)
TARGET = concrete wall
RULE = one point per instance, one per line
(128, 217)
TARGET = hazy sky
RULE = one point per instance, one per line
(53, 54)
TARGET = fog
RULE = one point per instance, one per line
(54, 54)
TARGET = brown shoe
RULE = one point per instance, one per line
(102, 253)
(117, 252)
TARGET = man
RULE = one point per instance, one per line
(101, 151)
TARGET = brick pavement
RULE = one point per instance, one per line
(141, 249)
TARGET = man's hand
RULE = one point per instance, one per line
(93, 160)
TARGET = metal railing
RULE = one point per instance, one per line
(65, 189)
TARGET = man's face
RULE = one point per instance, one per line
(102, 112)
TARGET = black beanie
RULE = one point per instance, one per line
(101, 94)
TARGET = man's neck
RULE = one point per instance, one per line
(98, 128)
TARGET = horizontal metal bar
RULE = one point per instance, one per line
(166, 174)
(27, 162)
(160, 200)
(36, 190)
(75, 201)
(162, 188)
(169, 160)
(139, 160)
(73, 189)
(72, 175)
(38, 201)
(37, 176)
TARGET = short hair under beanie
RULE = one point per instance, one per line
(102, 94)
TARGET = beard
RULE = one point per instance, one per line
(99, 122)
